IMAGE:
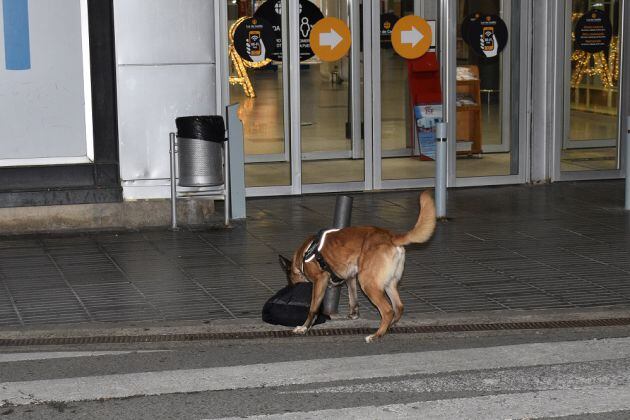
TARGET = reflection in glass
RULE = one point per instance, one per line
(591, 139)
(400, 154)
(486, 146)
(328, 152)
(262, 112)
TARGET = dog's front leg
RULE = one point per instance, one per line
(319, 290)
(353, 301)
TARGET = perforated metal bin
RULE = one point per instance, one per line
(200, 157)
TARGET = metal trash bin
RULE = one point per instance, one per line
(200, 150)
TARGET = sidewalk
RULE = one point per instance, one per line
(564, 246)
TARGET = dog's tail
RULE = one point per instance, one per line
(425, 226)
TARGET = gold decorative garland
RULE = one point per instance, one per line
(240, 65)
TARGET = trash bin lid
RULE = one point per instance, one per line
(201, 127)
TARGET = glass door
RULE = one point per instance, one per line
(490, 88)
(482, 94)
(303, 116)
(592, 101)
(398, 161)
(260, 86)
(331, 106)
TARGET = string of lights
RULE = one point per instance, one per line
(240, 66)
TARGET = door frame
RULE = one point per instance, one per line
(561, 43)
(519, 116)
(292, 113)
(446, 46)
(375, 96)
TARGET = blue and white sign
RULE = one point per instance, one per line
(17, 47)
(427, 117)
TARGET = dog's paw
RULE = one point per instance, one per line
(354, 315)
(300, 330)
(370, 338)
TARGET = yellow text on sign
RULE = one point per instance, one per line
(330, 39)
(411, 37)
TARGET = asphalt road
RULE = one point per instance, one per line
(527, 374)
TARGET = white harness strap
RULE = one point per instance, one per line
(321, 244)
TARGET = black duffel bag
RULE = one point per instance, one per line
(290, 306)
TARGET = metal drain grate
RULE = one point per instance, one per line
(316, 332)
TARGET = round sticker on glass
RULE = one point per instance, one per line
(254, 40)
(487, 35)
(593, 32)
(271, 11)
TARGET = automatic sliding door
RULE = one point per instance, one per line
(331, 106)
(259, 86)
(400, 155)
(488, 85)
(592, 87)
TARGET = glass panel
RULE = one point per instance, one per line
(259, 91)
(325, 98)
(401, 154)
(591, 140)
(487, 94)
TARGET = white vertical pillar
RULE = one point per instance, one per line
(628, 164)
(293, 28)
(448, 63)
(441, 155)
(173, 156)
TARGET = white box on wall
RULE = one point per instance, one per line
(43, 112)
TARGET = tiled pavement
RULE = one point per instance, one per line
(564, 245)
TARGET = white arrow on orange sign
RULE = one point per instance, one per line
(330, 39)
(412, 36)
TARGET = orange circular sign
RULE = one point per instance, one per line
(411, 37)
(330, 39)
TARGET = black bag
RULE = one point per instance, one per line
(289, 307)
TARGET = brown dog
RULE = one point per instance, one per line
(373, 256)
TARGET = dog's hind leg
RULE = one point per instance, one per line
(392, 287)
(379, 299)
(352, 298)
(392, 293)
(319, 290)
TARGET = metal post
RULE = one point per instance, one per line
(628, 164)
(226, 182)
(237, 166)
(440, 170)
(341, 219)
(173, 151)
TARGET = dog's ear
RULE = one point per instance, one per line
(285, 263)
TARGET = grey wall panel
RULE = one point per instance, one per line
(42, 112)
(149, 100)
(164, 31)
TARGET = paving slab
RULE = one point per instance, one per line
(562, 246)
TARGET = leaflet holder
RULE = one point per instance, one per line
(424, 89)
(424, 80)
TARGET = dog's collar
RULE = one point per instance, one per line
(313, 252)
